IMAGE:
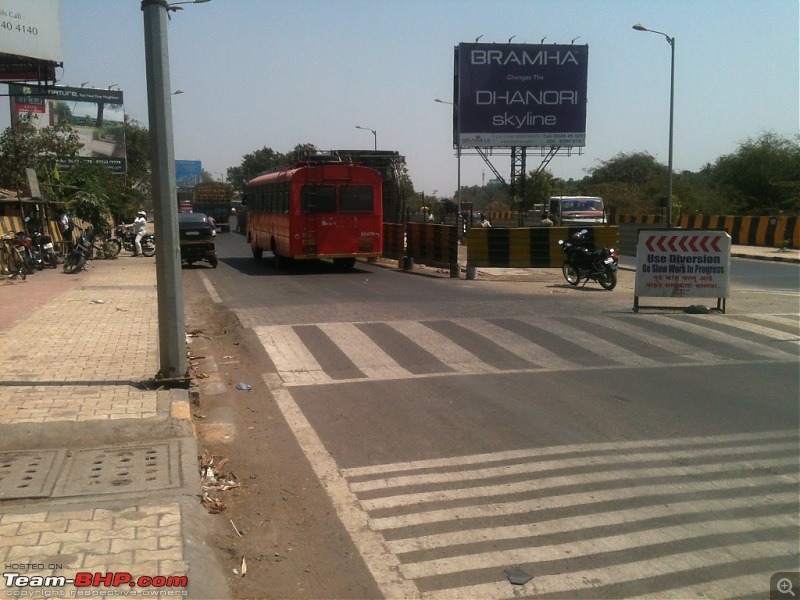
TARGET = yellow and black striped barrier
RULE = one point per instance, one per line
(10, 225)
(530, 246)
(433, 245)
(393, 235)
(749, 231)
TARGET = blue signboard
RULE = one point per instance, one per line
(188, 173)
(521, 95)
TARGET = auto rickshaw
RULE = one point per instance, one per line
(198, 239)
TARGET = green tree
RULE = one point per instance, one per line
(25, 146)
(138, 176)
(539, 187)
(762, 176)
(265, 160)
(629, 183)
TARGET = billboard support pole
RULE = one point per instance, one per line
(169, 281)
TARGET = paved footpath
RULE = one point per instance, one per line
(98, 467)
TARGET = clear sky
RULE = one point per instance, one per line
(279, 73)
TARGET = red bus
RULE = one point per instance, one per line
(315, 210)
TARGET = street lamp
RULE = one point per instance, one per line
(374, 134)
(458, 157)
(671, 42)
(169, 283)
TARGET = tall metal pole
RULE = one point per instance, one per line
(671, 42)
(457, 130)
(171, 324)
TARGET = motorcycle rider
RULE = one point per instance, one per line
(139, 229)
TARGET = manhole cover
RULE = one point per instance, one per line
(121, 469)
(28, 474)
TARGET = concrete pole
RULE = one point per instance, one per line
(171, 323)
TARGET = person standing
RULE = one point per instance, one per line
(139, 229)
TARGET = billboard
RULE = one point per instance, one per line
(520, 95)
(188, 173)
(97, 116)
(30, 39)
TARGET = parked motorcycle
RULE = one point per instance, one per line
(30, 254)
(585, 264)
(46, 249)
(127, 240)
(81, 252)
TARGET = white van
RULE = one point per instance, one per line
(576, 210)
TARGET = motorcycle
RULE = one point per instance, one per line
(41, 251)
(46, 249)
(31, 255)
(584, 264)
(126, 239)
(82, 251)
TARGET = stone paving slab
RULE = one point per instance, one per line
(143, 538)
(82, 354)
(77, 358)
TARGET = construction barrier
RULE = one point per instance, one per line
(640, 219)
(749, 231)
(433, 245)
(528, 247)
(10, 225)
(394, 241)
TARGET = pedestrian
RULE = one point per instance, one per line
(212, 221)
(484, 221)
(66, 227)
(139, 229)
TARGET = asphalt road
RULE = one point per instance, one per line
(464, 429)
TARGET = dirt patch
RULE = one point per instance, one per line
(279, 526)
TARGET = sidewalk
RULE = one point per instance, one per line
(98, 467)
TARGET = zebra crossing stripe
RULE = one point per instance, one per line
(590, 581)
(543, 466)
(575, 549)
(691, 510)
(789, 436)
(296, 365)
(541, 484)
(734, 484)
(365, 354)
(722, 338)
(572, 346)
(383, 565)
(441, 347)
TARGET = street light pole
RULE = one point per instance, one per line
(671, 42)
(374, 134)
(458, 158)
(169, 282)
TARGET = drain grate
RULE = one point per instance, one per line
(28, 474)
(118, 470)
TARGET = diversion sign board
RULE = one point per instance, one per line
(520, 95)
(683, 264)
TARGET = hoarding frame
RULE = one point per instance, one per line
(102, 138)
(512, 95)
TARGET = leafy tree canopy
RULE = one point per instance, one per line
(763, 176)
(26, 146)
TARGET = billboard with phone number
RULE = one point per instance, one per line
(97, 117)
(520, 95)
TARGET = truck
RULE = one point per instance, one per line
(214, 200)
(570, 211)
